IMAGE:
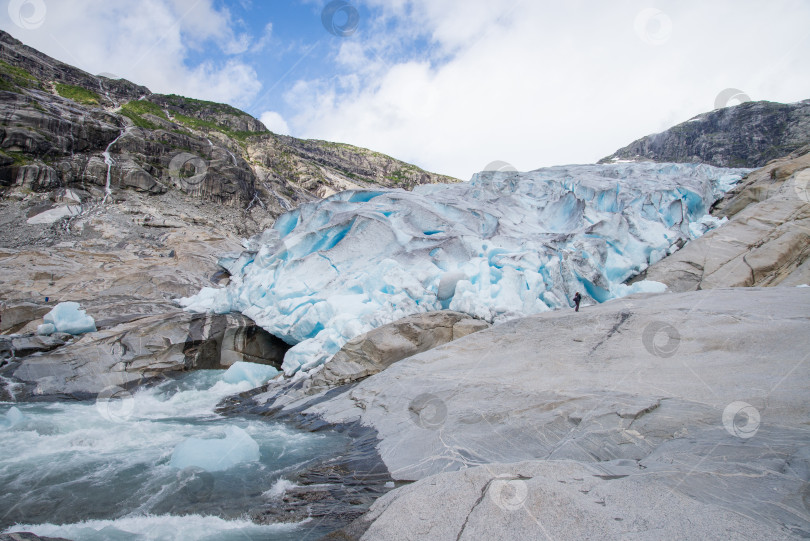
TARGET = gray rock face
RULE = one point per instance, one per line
(339, 166)
(145, 348)
(16, 314)
(250, 343)
(564, 500)
(766, 241)
(655, 416)
(28, 536)
(468, 326)
(378, 349)
(28, 344)
(746, 135)
(52, 136)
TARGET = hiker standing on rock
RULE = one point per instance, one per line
(577, 299)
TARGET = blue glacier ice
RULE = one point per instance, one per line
(503, 245)
(12, 418)
(216, 454)
(253, 373)
(67, 317)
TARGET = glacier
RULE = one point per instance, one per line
(503, 245)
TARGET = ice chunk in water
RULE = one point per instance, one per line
(254, 373)
(12, 418)
(216, 454)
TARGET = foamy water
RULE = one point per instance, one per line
(107, 469)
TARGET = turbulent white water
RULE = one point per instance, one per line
(167, 528)
(106, 469)
(503, 245)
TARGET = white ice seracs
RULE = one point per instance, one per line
(503, 245)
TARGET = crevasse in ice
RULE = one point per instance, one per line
(504, 244)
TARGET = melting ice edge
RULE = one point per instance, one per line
(504, 245)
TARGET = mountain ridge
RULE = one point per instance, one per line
(59, 121)
(747, 135)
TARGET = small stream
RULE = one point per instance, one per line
(110, 162)
(156, 464)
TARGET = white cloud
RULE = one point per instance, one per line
(539, 83)
(148, 44)
(264, 40)
(452, 85)
(275, 122)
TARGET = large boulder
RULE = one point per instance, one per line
(378, 349)
(146, 348)
(21, 346)
(16, 315)
(28, 536)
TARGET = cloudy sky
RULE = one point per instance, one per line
(450, 85)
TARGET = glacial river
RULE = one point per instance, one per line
(157, 464)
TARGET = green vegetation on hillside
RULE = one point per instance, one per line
(207, 125)
(137, 109)
(13, 78)
(181, 102)
(396, 176)
(134, 110)
(78, 94)
(18, 157)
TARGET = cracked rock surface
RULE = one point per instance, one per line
(662, 416)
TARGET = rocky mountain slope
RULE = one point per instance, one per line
(123, 200)
(58, 121)
(746, 135)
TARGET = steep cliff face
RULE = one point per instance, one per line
(747, 135)
(61, 127)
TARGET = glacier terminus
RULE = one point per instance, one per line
(504, 245)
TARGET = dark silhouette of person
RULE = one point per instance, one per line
(577, 300)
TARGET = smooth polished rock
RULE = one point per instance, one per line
(660, 407)
(379, 348)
